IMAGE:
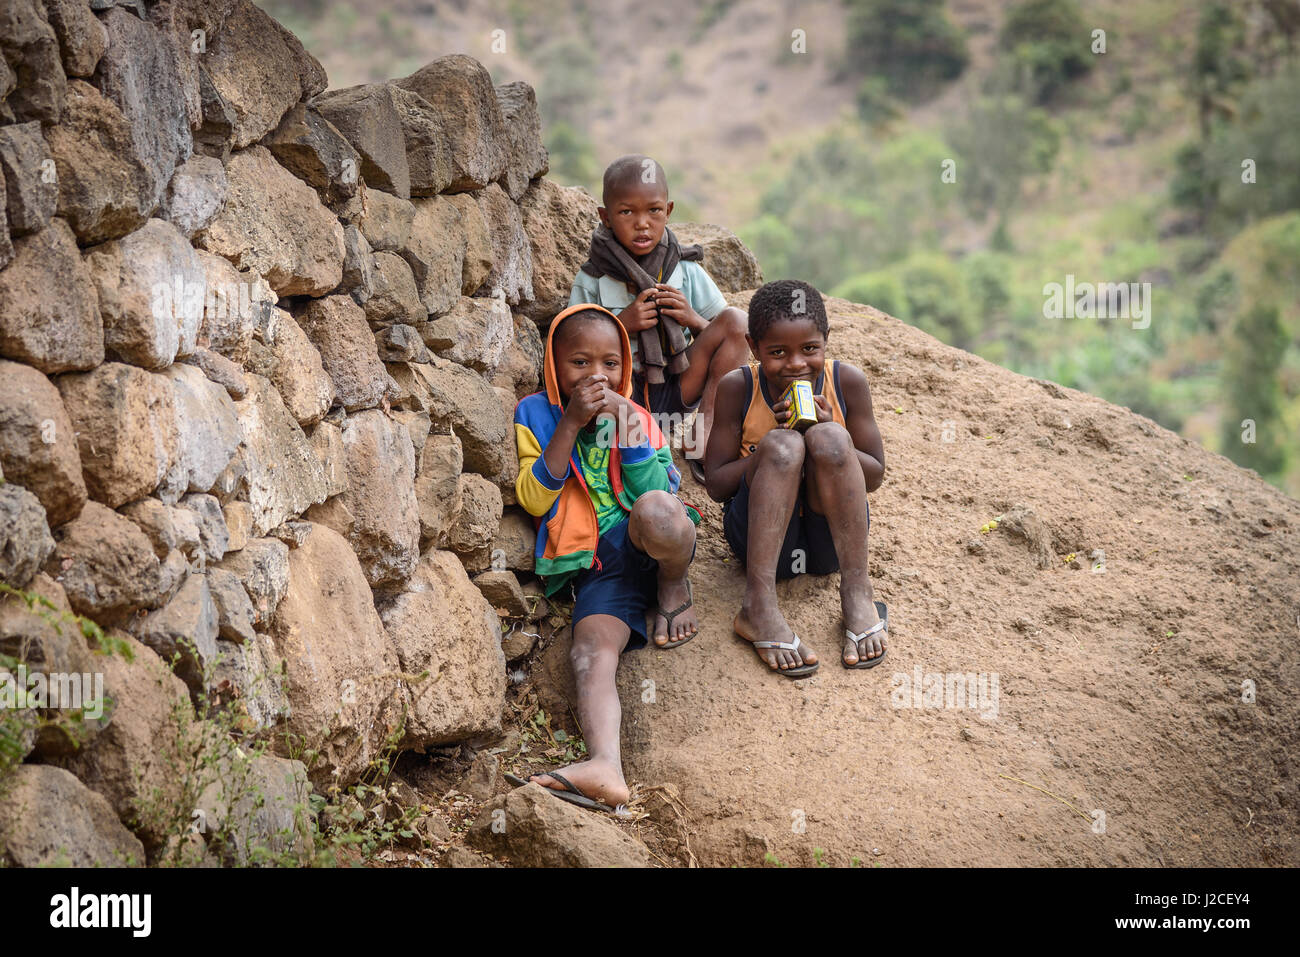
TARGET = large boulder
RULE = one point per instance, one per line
(141, 758)
(428, 147)
(460, 91)
(475, 333)
(151, 289)
(275, 224)
(206, 424)
(299, 374)
(337, 328)
(146, 72)
(30, 196)
(82, 37)
(559, 221)
(339, 663)
(526, 157)
(308, 145)
(440, 624)
(729, 262)
(31, 48)
(511, 275)
(38, 447)
(25, 541)
(258, 70)
(279, 474)
(125, 421)
(105, 564)
(457, 399)
(435, 251)
(385, 221)
(50, 819)
(49, 314)
(248, 674)
(257, 810)
(385, 530)
(520, 368)
(394, 297)
(479, 251)
(368, 118)
(533, 829)
(105, 190)
(476, 523)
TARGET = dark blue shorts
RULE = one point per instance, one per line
(808, 534)
(665, 397)
(624, 583)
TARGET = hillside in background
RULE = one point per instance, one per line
(1117, 167)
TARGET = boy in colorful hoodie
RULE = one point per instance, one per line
(597, 473)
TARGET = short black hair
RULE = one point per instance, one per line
(783, 300)
(571, 323)
(628, 171)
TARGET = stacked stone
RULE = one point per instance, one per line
(260, 346)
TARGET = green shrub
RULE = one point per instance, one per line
(910, 43)
(1049, 44)
(882, 289)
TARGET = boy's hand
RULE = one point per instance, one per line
(823, 408)
(673, 303)
(641, 313)
(781, 411)
(586, 399)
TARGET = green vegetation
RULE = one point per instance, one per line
(911, 44)
(1047, 45)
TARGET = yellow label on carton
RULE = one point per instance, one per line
(803, 410)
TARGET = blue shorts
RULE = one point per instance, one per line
(624, 582)
(808, 536)
(664, 397)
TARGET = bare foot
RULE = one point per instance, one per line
(860, 615)
(761, 620)
(599, 780)
(673, 594)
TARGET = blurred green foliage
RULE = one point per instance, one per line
(911, 44)
(1047, 44)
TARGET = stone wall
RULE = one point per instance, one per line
(260, 345)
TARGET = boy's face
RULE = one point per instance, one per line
(589, 348)
(637, 215)
(790, 349)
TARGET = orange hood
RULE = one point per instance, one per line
(552, 387)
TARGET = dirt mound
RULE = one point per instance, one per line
(1108, 633)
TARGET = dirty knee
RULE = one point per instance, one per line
(828, 443)
(781, 449)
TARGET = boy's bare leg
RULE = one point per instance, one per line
(774, 475)
(837, 490)
(660, 527)
(598, 640)
(714, 352)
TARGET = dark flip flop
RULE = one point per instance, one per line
(697, 469)
(882, 625)
(668, 617)
(570, 792)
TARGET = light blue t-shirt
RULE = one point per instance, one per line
(699, 288)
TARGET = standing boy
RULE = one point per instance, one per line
(684, 336)
(797, 501)
(595, 469)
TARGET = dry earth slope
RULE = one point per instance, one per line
(1119, 691)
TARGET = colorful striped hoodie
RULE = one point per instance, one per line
(567, 530)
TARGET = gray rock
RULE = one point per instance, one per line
(385, 532)
(460, 91)
(256, 811)
(475, 333)
(393, 296)
(184, 631)
(337, 328)
(207, 427)
(194, 195)
(298, 372)
(368, 117)
(214, 540)
(262, 567)
(308, 145)
(29, 44)
(540, 831)
(50, 819)
(249, 673)
(105, 564)
(25, 541)
(82, 38)
(512, 258)
(234, 609)
(526, 157)
(386, 221)
(31, 194)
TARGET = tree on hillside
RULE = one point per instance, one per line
(1049, 45)
(1251, 392)
(910, 43)
(1219, 66)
